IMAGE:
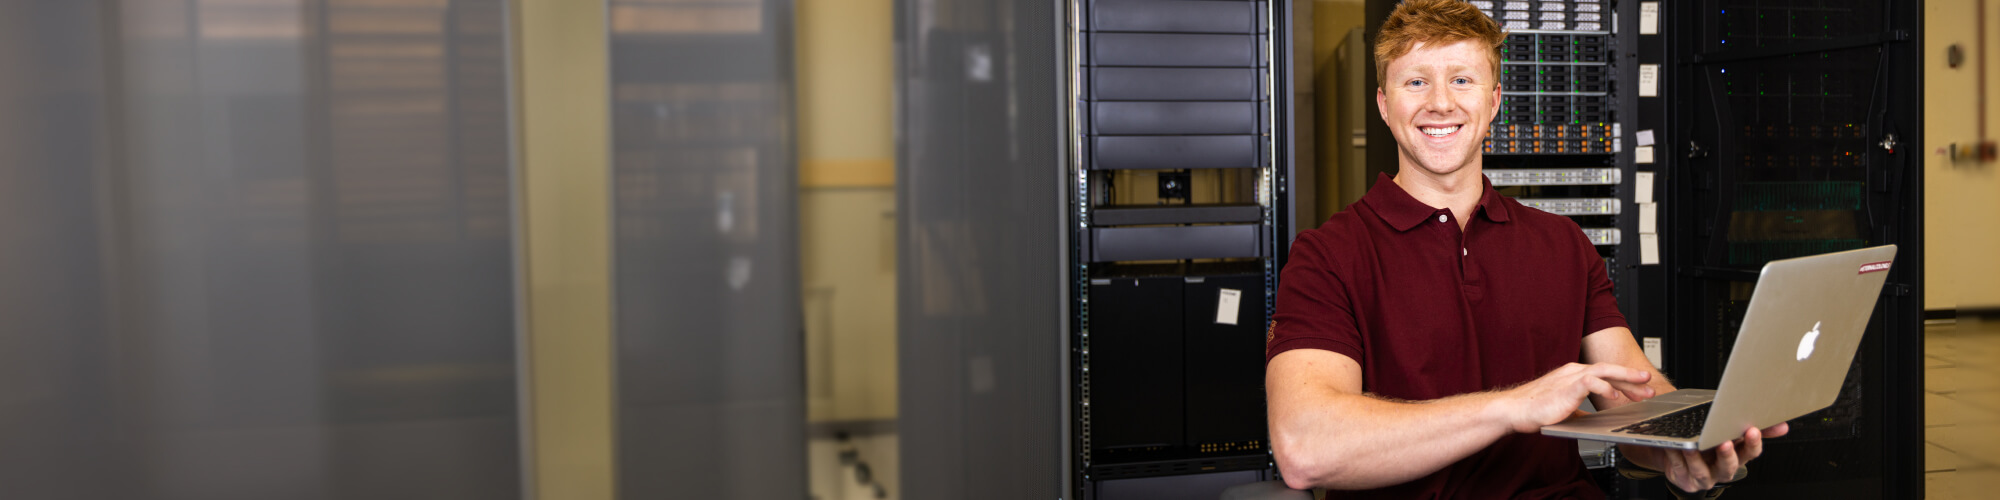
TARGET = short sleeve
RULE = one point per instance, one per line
(1313, 308)
(1600, 304)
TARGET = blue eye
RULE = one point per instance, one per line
(1416, 83)
(1462, 81)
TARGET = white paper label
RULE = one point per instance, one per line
(1649, 80)
(1649, 18)
(1649, 249)
(1642, 155)
(1643, 137)
(1653, 352)
(1648, 214)
(1642, 188)
(1227, 305)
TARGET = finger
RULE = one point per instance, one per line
(1753, 443)
(1635, 392)
(1620, 373)
(1600, 387)
(1725, 462)
(1677, 471)
(1697, 469)
(1777, 430)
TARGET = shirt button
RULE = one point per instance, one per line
(1463, 252)
(1440, 217)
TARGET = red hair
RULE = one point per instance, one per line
(1435, 23)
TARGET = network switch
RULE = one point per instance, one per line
(1602, 236)
(1573, 206)
(1554, 176)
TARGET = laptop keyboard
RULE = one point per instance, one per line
(1681, 424)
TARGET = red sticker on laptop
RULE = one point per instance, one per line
(1874, 267)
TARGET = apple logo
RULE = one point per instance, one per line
(1806, 344)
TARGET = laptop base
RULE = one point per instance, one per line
(1601, 426)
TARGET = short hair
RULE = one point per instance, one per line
(1435, 23)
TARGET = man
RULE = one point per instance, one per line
(1424, 336)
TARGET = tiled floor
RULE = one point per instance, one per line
(1962, 408)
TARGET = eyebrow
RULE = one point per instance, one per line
(1457, 68)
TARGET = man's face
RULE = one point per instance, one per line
(1439, 101)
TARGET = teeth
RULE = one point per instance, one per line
(1440, 131)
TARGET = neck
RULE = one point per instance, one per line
(1458, 191)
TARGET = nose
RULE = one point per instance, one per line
(1440, 101)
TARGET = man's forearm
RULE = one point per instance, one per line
(1327, 433)
(1348, 441)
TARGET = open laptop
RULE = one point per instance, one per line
(1798, 338)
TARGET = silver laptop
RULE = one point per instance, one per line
(1798, 338)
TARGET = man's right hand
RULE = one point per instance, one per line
(1558, 394)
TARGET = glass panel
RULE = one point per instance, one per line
(710, 365)
(980, 254)
(256, 249)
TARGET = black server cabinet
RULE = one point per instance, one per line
(1790, 129)
(1176, 371)
(1136, 367)
(1180, 211)
(1225, 363)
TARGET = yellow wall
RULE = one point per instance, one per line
(561, 70)
(847, 262)
(846, 75)
(1960, 198)
(1331, 21)
(847, 202)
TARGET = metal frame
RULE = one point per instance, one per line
(1272, 214)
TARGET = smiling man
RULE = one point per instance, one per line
(1424, 335)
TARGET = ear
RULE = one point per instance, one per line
(1496, 103)
(1382, 103)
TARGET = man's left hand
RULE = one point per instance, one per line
(1693, 471)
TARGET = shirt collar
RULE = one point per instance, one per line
(1402, 211)
(1491, 202)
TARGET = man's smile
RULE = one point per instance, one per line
(1439, 130)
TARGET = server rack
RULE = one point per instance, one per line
(1180, 212)
(1555, 144)
(1791, 128)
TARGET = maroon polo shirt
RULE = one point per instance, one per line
(1431, 311)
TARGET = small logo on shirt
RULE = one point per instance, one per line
(1874, 267)
(1270, 332)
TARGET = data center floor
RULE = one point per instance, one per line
(1962, 408)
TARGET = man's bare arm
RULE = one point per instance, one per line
(1615, 345)
(1326, 433)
